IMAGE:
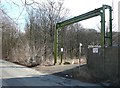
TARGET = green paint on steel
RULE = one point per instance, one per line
(96, 12)
(102, 26)
(110, 26)
(85, 16)
(55, 44)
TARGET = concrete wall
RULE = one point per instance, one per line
(105, 63)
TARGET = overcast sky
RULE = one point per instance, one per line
(76, 7)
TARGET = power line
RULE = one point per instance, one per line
(25, 6)
(20, 13)
(14, 3)
(9, 17)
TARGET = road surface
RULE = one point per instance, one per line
(16, 75)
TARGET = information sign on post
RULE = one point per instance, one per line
(61, 55)
(80, 47)
(61, 49)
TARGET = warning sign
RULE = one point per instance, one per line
(95, 50)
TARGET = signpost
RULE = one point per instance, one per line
(80, 50)
(61, 55)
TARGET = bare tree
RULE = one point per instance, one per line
(40, 28)
(9, 36)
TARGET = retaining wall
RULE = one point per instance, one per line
(104, 62)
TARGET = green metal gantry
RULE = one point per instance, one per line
(93, 13)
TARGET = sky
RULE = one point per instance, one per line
(78, 7)
(16, 10)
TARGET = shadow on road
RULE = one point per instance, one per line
(45, 81)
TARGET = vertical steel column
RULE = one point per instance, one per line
(55, 44)
(110, 26)
(103, 26)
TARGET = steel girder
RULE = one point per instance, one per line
(96, 12)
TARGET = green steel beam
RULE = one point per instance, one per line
(110, 26)
(109, 36)
(55, 45)
(96, 12)
(85, 16)
(102, 26)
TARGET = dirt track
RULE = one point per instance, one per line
(55, 69)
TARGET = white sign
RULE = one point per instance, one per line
(95, 50)
(61, 49)
(80, 44)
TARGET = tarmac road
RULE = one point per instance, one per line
(16, 75)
